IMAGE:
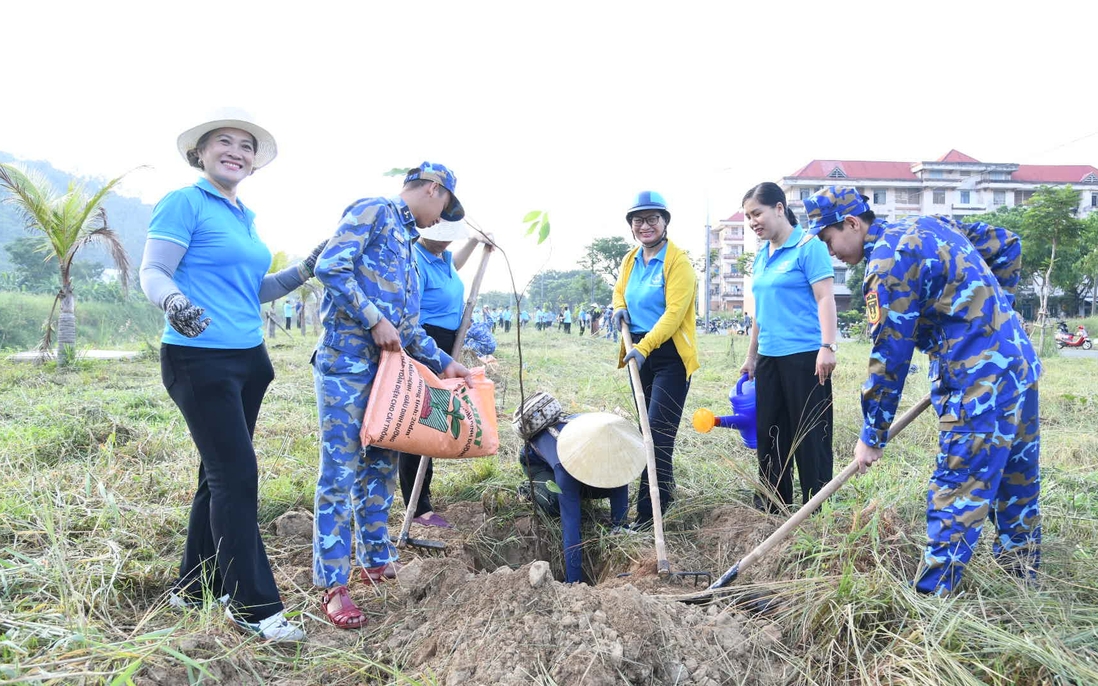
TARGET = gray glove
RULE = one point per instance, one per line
(635, 355)
(309, 263)
(620, 315)
(184, 316)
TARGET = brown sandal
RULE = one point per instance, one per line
(348, 616)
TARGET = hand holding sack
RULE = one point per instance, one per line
(412, 410)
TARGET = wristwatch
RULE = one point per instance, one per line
(833, 347)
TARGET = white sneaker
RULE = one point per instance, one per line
(274, 628)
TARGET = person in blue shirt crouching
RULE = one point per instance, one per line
(586, 456)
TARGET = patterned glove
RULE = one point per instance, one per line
(620, 315)
(309, 263)
(183, 316)
(637, 355)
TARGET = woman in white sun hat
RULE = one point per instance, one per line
(206, 267)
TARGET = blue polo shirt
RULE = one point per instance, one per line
(645, 295)
(785, 307)
(223, 267)
(442, 293)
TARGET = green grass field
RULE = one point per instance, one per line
(98, 471)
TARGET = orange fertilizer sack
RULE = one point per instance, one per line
(412, 410)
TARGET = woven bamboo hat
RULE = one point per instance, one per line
(601, 449)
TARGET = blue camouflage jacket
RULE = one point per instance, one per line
(947, 289)
(369, 272)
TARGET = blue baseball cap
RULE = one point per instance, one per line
(832, 205)
(445, 178)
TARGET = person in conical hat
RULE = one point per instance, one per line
(586, 456)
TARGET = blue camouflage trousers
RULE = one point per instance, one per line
(351, 480)
(985, 475)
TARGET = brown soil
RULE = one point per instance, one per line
(490, 610)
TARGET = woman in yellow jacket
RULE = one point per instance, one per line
(655, 296)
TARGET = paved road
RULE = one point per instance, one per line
(1079, 352)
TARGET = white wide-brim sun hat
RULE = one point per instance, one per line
(446, 231)
(601, 450)
(231, 118)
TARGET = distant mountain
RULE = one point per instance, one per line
(129, 217)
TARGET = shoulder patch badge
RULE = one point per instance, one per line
(872, 308)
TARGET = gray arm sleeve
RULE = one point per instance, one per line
(158, 266)
(281, 283)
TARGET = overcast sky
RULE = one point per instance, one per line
(568, 107)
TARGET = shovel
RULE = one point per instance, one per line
(663, 567)
(802, 514)
(424, 461)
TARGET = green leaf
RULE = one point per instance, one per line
(531, 215)
(543, 233)
(553, 487)
(397, 171)
(530, 229)
(123, 677)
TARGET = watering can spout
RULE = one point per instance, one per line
(742, 418)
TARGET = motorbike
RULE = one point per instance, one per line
(1079, 339)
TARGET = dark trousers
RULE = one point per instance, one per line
(794, 416)
(219, 393)
(566, 505)
(663, 379)
(409, 464)
(568, 327)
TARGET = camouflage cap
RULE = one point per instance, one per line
(832, 205)
(444, 177)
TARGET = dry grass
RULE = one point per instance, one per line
(98, 470)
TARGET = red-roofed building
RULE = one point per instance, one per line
(955, 184)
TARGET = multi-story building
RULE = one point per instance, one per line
(955, 184)
(726, 282)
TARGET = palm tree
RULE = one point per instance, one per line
(68, 221)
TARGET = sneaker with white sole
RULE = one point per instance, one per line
(274, 628)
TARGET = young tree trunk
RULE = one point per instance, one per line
(1042, 315)
(1093, 294)
(66, 326)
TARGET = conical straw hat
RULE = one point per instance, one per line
(601, 450)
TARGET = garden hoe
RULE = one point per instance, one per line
(424, 462)
(663, 567)
(715, 589)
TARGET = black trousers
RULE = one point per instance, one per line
(793, 410)
(409, 464)
(219, 393)
(663, 379)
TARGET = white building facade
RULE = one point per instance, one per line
(955, 185)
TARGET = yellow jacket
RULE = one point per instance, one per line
(677, 321)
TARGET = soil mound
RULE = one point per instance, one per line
(520, 627)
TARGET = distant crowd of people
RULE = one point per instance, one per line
(593, 319)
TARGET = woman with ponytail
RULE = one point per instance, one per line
(792, 350)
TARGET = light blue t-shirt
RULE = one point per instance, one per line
(442, 295)
(785, 307)
(223, 267)
(645, 294)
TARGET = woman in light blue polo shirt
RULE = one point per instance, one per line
(206, 267)
(442, 304)
(792, 350)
